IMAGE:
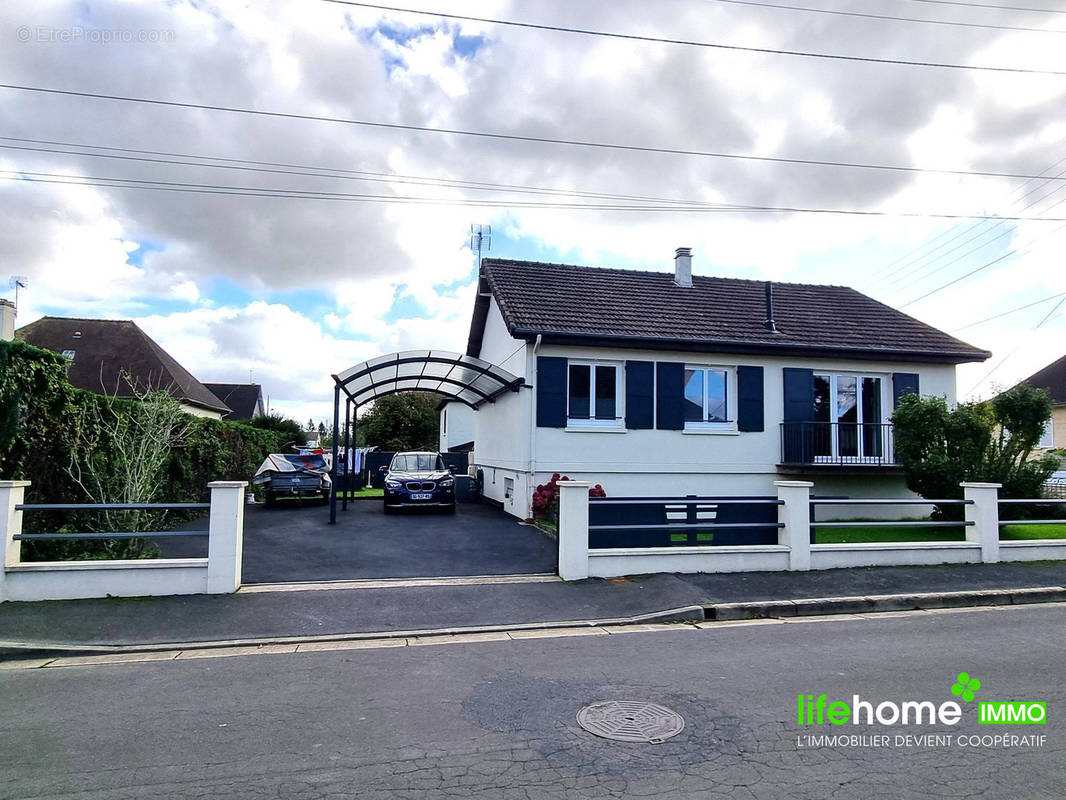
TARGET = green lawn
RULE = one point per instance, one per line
(1033, 532)
(369, 491)
(859, 533)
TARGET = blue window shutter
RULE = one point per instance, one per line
(640, 395)
(669, 395)
(551, 392)
(797, 440)
(750, 398)
(799, 395)
(903, 383)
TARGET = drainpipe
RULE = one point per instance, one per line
(531, 369)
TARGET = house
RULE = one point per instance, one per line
(102, 350)
(456, 427)
(245, 400)
(1053, 379)
(666, 384)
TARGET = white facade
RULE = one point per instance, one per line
(456, 425)
(515, 455)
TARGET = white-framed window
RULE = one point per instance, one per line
(1047, 440)
(850, 417)
(709, 397)
(594, 394)
(508, 488)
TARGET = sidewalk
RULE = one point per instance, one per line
(258, 615)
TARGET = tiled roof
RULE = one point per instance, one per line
(245, 399)
(1053, 378)
(104, 348)
(563, 302)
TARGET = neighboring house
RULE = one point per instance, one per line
(456, 427)
(102, 350)
(1053, 379)
(653, 383)
(245, 400)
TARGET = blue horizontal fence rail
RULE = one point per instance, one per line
(691, 521)
(1043, 502)
(886, 501)
(108, 507)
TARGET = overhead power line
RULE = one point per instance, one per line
(996, 6)
(309, 194)
(889, 17)
(1041, 301)
(280, 168)
(982, 268)
(1013, 352)
(520, 138)
(692, 43)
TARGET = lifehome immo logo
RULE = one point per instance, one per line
(821, 709)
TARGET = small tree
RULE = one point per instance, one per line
(121, 457)
(289, 428)
(939, 448)
(401, 421)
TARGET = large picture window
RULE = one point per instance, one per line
(593, 394)
(708, 397)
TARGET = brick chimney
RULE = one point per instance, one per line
(683, 266)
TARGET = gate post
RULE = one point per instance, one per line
(225, 536)
(795, 513)
(983, 512)
(11, 495)
(573, 530)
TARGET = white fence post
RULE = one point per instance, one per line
(796, 516)
(983, 512)
(225, 540)
(11, 495)
(573, 530)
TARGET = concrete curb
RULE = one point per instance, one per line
(883, 602)
(12, 650)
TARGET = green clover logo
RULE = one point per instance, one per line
(965, 687)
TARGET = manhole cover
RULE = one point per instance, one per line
(630, 721)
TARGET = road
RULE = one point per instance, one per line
(496, 719)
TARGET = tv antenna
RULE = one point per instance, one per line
(480, 240)
(18, 282)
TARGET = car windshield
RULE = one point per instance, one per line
(417, 462)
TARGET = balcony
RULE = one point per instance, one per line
(834, 445)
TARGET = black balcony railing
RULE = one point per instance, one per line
(842, 443)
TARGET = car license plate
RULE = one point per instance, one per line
(421, 496)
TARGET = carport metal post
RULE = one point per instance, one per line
(347, 454)
(333, 466)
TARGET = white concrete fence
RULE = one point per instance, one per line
(219, 573)
(793, 550)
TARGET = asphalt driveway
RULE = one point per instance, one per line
(292, 543)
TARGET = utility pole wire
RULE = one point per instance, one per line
(520, 138)
(889, 17)
(692, 43)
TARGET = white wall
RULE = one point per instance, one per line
(502, 430)
(456, 425)
(658, 462)
(196, 411)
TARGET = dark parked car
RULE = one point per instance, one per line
(418, 480)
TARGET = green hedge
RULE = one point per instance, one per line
(38, 434)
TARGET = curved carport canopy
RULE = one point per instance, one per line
(455, 376)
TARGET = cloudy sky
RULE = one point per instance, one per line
(371, 253)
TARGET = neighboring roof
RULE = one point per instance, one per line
(1053, 378)
(104, 348)
(244, 399)
(568, 304)
(453, 375)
